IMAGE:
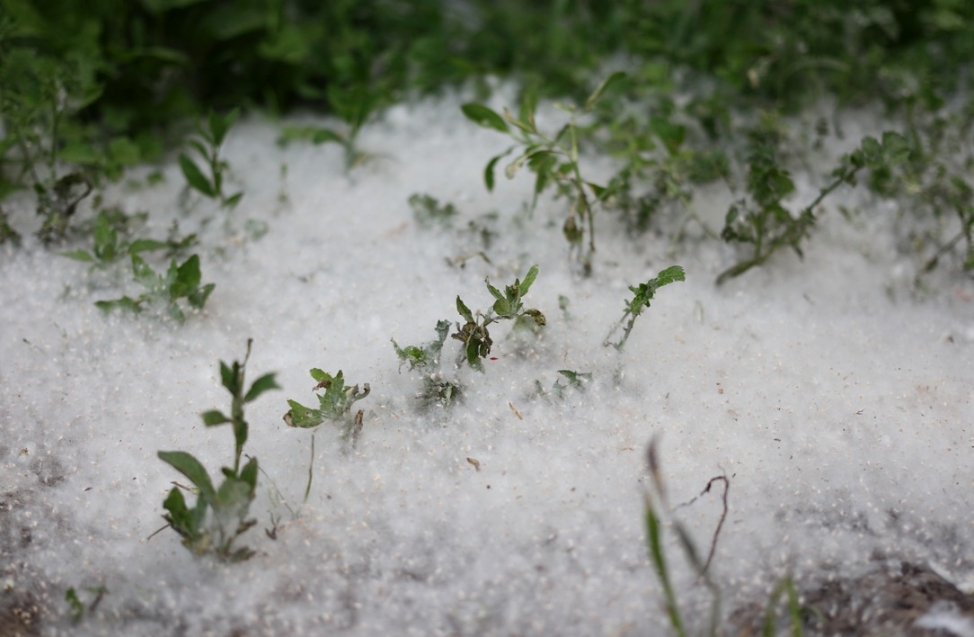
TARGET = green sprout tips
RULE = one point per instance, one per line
(642, 296)
(208, 149)
(220, 514)
(507, 306)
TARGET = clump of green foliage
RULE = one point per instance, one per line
(642, 296)
(335, 404)
(767, 225)
(474, 333)
(428, 211)
(437, 390)
(554, 159)
(180, 283)
(210, 182)
(220, 514)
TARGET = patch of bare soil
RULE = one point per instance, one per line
(885, 602)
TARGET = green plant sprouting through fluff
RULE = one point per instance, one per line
(220, 514)
(553, 160)
(213, 135)
(437, 389)
(335, 404)
(507, 306)
(642, 296)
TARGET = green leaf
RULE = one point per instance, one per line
(125, 303)
(195, 177)
(197, 298)
(190, 467)
(261, 385)
(528, 280)
(79, 255)
(187, 278)
(896, 147)
(464, 311)
(233, 200)
(145, 245)
(607, 83)
(502, 307)
(219, 126)
(228, 378)
(214, 417)
(320, 375)
(249, 473)
(670, 275)
(301, 416)
(483, 116)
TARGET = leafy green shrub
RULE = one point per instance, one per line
(220, 514)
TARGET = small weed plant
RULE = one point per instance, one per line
(210, 180)
(641, 299)
(181, 284)
(437, 390)
(354, 106)
(554, 159)
(220, 514)
(508, 306)
(335, 405)
(765, 223)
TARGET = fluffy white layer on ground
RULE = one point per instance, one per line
(837, 401)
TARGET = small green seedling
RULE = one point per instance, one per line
(109, 248)
(181, 282)
(437, 390)
(355, 106)
(507, 306)
(428, 211)
(642, 296)
(220, 514)
(77, 608)
(335, 404)
(769, 226)
(213, 135)
(576, 381)
(553, 159)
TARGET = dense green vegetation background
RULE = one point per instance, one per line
(88, 87)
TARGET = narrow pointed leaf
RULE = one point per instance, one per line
(190, 467)
(484, 116)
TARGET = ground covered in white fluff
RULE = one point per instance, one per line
(836, 396)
